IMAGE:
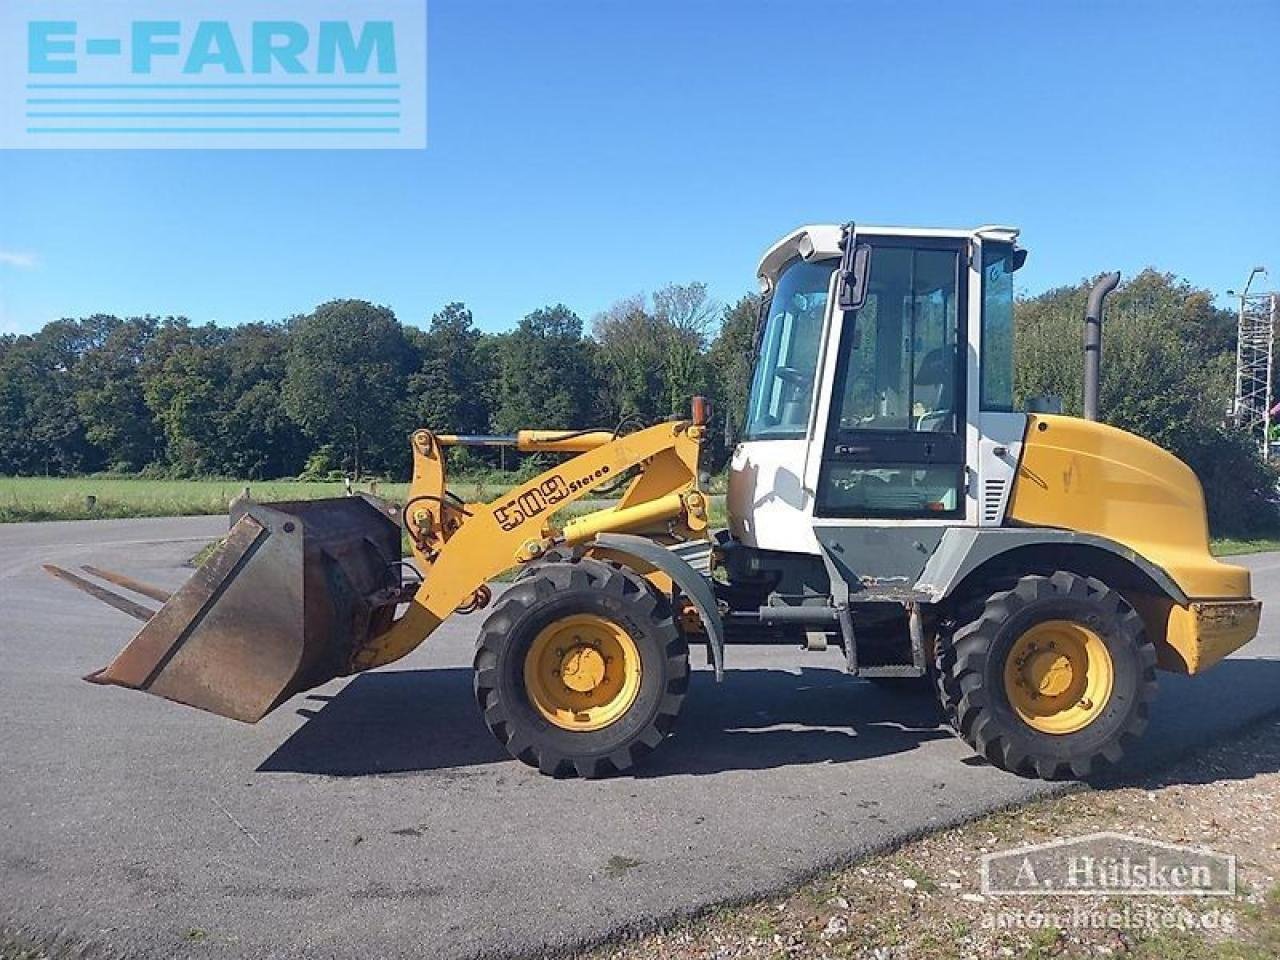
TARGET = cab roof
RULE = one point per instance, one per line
(822, 241)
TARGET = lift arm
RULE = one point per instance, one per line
(460, 546)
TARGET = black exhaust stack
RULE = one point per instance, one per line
(1093, 341)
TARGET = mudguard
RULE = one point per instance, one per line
(964, 549)
(693, 584)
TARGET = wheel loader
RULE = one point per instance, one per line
(886, 499)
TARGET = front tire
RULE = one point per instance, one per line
(1053, 679)
(580, 668)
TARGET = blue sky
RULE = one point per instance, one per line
(582, 151)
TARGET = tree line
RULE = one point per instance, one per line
(339, 389)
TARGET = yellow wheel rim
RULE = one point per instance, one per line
(582, 672)
(1059, 676)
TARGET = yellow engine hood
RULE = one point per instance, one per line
(1094, 478)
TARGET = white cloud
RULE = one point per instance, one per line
(21, 261)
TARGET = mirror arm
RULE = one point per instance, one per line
(855, 264)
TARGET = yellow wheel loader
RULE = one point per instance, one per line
(886, 498)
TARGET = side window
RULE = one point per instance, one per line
(901, 367)
(997, 327)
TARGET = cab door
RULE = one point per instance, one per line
(894, 444)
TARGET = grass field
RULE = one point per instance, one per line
(66, 498)
(1227, 547)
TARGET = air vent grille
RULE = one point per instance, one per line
(992, 498)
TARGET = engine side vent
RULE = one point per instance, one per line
(992, 498)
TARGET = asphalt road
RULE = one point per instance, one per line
(376, 817)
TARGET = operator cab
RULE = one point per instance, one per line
(898, 411)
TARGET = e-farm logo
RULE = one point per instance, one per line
(213, 73)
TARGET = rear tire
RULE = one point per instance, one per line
(1053, 679)
(579, 669)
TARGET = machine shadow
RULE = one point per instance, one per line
(764, 719)
(396, 721)
(1240, 693)
(417, 721)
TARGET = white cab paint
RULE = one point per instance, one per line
(769, 505)
(773, 483)
(999, 449)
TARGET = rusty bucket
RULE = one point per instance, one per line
(279, 607)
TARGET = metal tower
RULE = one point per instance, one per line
(1255, 361)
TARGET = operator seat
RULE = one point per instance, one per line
(936, 371)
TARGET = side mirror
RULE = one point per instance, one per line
(855, 268)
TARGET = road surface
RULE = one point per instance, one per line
(376, 817)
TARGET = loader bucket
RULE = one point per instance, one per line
(278, 608)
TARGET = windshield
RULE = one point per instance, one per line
(787, 355)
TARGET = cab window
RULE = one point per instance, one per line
(895, 439)
(901, 371)
(787, 354)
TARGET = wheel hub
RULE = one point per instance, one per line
(1050, 674)
(582, 672)
(582, 668)
(1058, 676)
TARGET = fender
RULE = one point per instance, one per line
(693, 584)
(964, 549)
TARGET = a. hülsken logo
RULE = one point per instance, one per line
(213, 73)
(1109, 864)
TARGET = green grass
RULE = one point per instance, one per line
(65, 498)
(17, 946)
(1227, 547)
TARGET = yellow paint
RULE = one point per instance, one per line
(462, 546)
(1193, 638)
(582, 672)
(1093, 478)
(619, 519)
(431, 515)
(560, 441)
(1058, 677)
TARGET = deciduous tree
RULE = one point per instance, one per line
(448, 386)
(346, 382)
(547, 376)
